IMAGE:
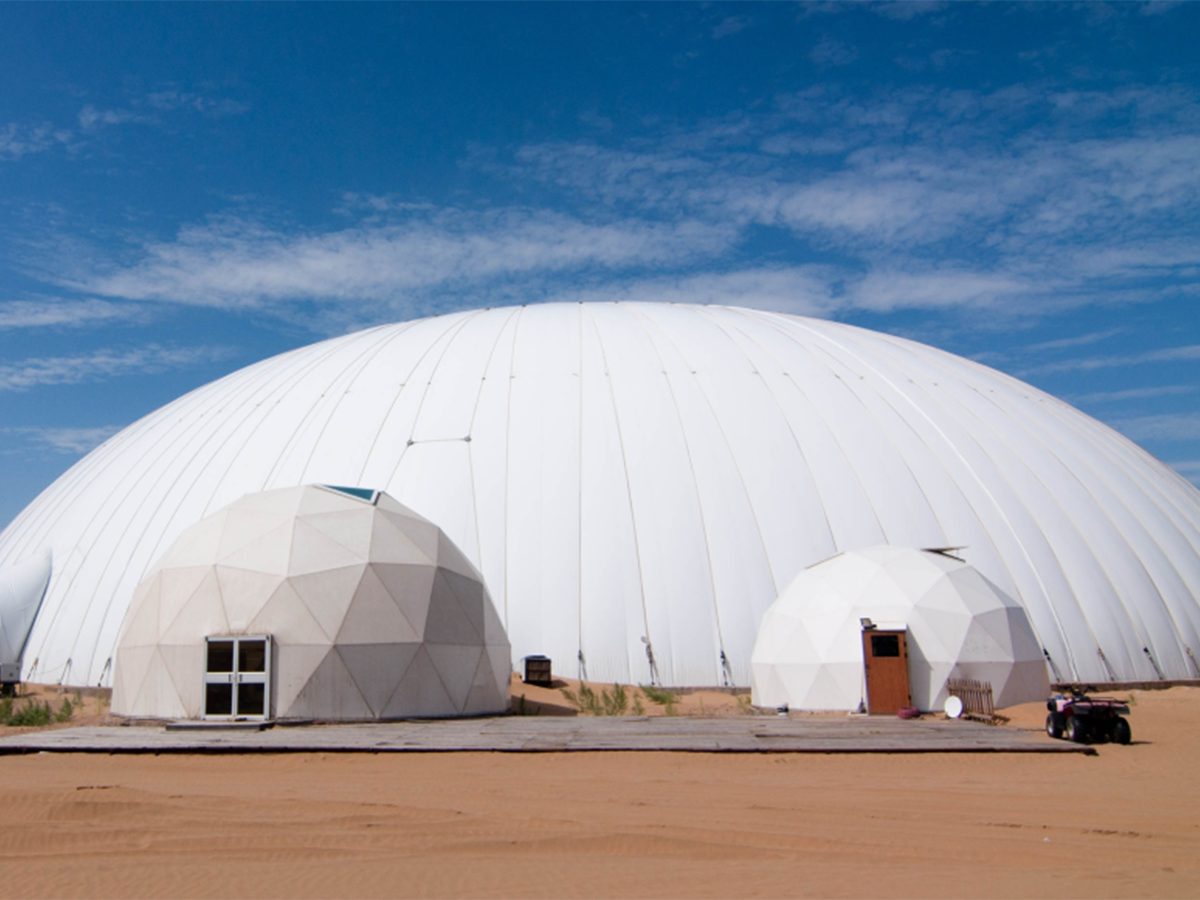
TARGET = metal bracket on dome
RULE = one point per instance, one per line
(653, 665)
(1050, 660)
(1154, 662)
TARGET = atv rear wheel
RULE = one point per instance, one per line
(1121, 732)
(1054, 725)
(1076, 730)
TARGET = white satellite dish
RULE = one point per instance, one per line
(953, 707)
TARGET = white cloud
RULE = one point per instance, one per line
(1166, 390)
(92, 119)
(1158, 7)
(1081, 340)
(17, 139)
(56, 312)
(29, 373)
(730, 25)
(215, 107)
(1166, 427)
(913, 198)
(234, 263)
(832, 53)
(1092, 363)
(67, 440)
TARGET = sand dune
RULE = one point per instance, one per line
(1122, 824)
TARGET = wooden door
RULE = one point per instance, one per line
(885, 657)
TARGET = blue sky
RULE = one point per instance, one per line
(186, 189)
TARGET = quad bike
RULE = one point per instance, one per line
(1085, 720)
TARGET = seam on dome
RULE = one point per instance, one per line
(817, 360)
(640, 317)
(788, 423)
(401, 388)
(364, 359)
(512, 373)
(512, 316)
(449, 334)
(820, 416)
(637, 546)
(581, 658)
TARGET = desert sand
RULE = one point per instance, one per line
(1123, 823)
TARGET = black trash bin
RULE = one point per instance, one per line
(537, 671)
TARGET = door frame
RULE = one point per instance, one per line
(236, 677)
(869, 631)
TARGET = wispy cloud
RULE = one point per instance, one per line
(67, 440)
(832, 53)
(1023, 201)
(730, 25)
(18, 139)
(29, 373)
(1148, 393)
(1098, 10)
(237, 263)
(1167, 427)
(92, 119)
(1092, 363)
(46, 312)
(1188, 468)
(1081, 340)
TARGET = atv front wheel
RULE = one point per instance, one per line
(1076, 731)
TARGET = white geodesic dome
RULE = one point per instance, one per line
(809, 653)
(372, 611)
(638, 476)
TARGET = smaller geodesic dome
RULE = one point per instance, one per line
(369, 610)
(809, 651)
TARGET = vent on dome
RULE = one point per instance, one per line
(951, 552)
(357, 492)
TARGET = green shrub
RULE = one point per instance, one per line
(588, 702)
(33, 713)
(65, 711)
(663, 697)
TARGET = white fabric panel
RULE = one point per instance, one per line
(645, 470)
(612, 614)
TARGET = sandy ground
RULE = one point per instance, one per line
(1125, 823)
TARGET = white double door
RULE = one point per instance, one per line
(237, 677)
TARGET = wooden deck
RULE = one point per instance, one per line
(516, 734)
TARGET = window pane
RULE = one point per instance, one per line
(220, 656)
(885, 645)
(218, 699)
(252, 700)
(252, 656)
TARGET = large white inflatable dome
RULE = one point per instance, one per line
(640, 481)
